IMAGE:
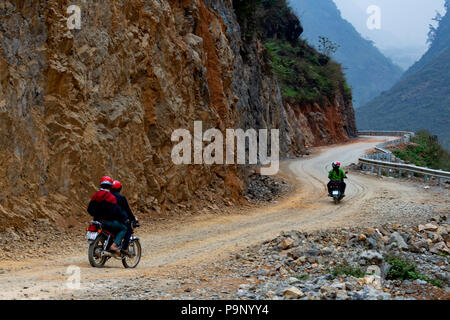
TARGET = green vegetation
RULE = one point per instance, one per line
(403, 270)
(305, 75)
(427, 153)
(347, 270)
(245, 12)
(303, 276)
(367, 70)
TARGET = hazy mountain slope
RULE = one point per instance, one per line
(439, 45)
(421, 100)
(368, 71)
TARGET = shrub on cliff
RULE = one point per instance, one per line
(426, 152)
(305, 75)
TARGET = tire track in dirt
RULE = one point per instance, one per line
(195, 243)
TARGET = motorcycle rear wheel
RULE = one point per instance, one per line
(136, 250)
(94, 254)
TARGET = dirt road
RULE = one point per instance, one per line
(182, 250)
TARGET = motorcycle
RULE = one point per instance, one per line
(100, 240)
(336, 192)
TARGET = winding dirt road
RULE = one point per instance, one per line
(180, 249)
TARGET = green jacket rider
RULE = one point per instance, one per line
(337, 175)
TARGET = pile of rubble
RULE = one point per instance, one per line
(265, 188)
(391, 261)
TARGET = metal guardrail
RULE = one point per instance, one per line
(385, 133)
(383, 158)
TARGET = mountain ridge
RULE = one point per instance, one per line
(421, 99)
(368, 71)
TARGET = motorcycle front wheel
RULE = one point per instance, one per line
(95, 252)
(131, 260)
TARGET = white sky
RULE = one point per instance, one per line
(403, 22)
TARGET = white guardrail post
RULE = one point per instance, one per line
(383, 159)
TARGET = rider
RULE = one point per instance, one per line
(337, 175)
(128, 216)
(104, 208)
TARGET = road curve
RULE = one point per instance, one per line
(208, 238)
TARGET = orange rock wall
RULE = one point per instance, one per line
(104, 100)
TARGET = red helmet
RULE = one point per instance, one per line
(116, 185)
(106, 181)
(336, 164)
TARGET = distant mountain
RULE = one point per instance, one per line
(367, 70)
(421, 100)
(440, 44)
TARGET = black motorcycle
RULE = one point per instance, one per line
(336, 193)
(100, 240)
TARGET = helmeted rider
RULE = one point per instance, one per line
(104, 208)
(337, 175)
(128, 216)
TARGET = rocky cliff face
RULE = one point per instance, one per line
(79, 104)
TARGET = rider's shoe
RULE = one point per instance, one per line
(114, 248)
(125, 253)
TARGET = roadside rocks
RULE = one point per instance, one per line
(287, 243)
(396, 239)
(293, 293)
(265, 188)
(440, 248)
(353, 264)
(428, 227)
(372, 256)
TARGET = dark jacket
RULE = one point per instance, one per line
(103, 206)
(123, 204)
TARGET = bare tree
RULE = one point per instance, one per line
(326, 46)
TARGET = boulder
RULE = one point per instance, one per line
(293, 293)
(341, 295)
(286, 243)
(397, 239)
(440, 248)
(372, 256)
(370, 231)
(373, 243)
(329, 291)
(427, 227)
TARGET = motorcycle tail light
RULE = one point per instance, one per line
(92, 228)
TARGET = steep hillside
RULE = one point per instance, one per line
(440, 44)
(78, 104)
(421, 100)
(367, 70)
(315, 94)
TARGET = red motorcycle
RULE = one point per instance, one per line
(100, 240)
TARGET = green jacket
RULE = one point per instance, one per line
(337, 175)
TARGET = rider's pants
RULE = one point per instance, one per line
(342, 186)
(117, 227)
(126, 240)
